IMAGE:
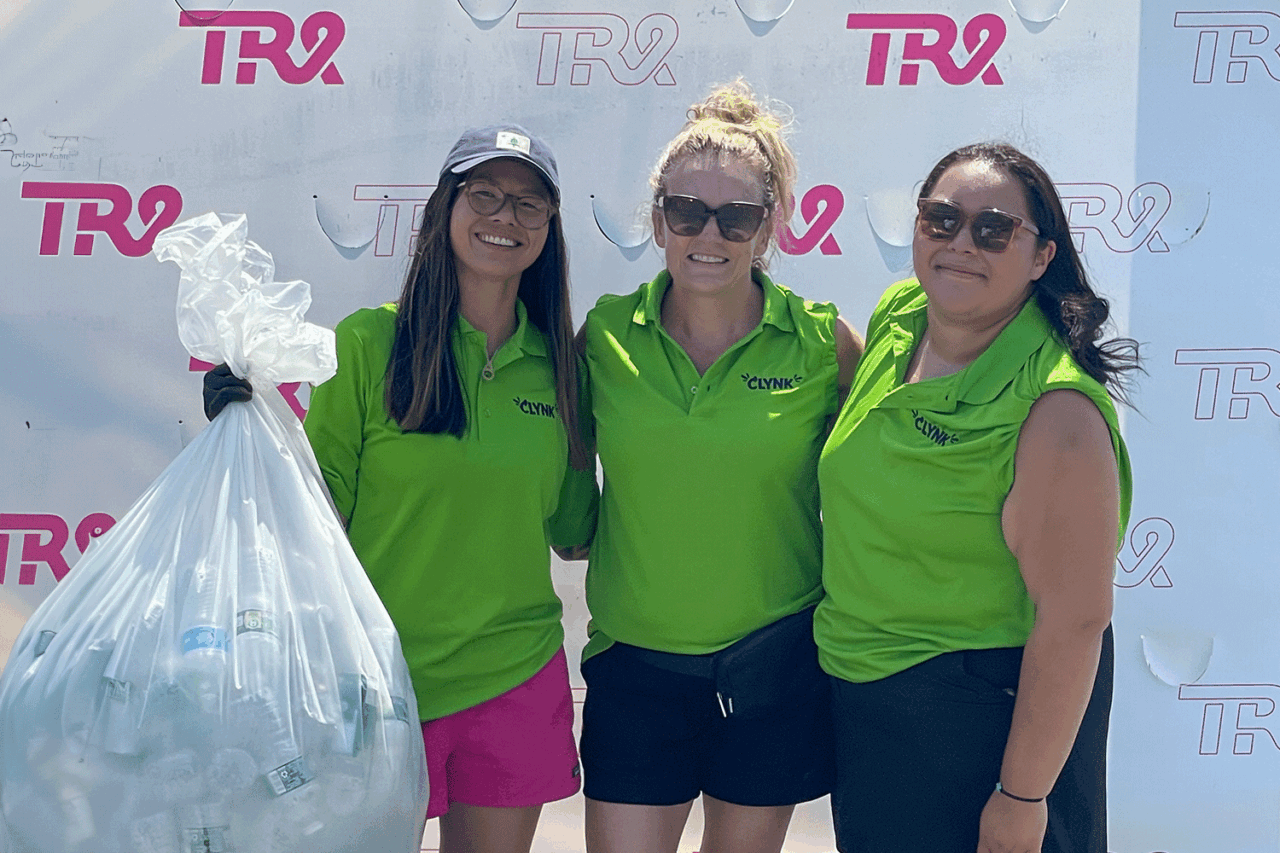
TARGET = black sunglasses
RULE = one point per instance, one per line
(686, 216)
(992, 229)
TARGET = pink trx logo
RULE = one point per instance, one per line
(158, 207)
(1230, 43)
(603, 41)
(43, 538)
(253, 26)
(982, 37)
(820, 207)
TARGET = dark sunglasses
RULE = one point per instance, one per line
(992, 229)
(531, 211)
(686, 216)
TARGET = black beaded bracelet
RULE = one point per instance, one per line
(1001, 789)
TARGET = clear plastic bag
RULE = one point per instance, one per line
(217, 674)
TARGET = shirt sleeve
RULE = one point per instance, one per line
(574, 521)
(335, 421)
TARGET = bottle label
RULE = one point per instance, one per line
(206, 839)
(260, 621)
(287, 777)
(204, 637)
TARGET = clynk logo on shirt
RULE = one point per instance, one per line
(933, 432)
(771, 383)
(533, 407)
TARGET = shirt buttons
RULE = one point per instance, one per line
(487, 413)
(693, 389)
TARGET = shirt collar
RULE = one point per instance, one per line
(984, 379)
(777, 311)
(992, 371)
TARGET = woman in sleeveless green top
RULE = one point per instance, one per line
(974, 489)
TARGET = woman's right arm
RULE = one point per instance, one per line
(575, 517)
(336, 418)
(849, 349)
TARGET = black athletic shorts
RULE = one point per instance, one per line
(652, 735)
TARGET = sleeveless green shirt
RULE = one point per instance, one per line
(914, 479)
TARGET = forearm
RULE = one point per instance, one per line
(1058, 670)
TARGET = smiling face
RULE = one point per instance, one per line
(496, 247)
(968, 286)
(707, 262)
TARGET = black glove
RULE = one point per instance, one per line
(221, 386)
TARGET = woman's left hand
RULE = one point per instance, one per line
(1009, 826)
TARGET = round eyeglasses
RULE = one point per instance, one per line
(486, 199)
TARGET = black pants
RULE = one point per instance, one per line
(918, 754)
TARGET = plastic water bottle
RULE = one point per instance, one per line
(257, 648)
(203, 641)
(83, 694)
(118, 728)
(262, 677)
(128, 678)
(396, 722)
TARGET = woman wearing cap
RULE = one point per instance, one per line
(712, 389)
(449, 441)
(973, 493)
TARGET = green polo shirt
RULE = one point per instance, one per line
(914, 478)
(454, 533)
(709, 522)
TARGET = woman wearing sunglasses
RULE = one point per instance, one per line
(974, 489)
(449, 441)
(712, 390)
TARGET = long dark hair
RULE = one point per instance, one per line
(424, 393)
(1076, 312)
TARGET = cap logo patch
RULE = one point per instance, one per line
(512, 141)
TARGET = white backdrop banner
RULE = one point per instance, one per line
(326, 122)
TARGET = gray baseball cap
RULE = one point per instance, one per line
(480, 144)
